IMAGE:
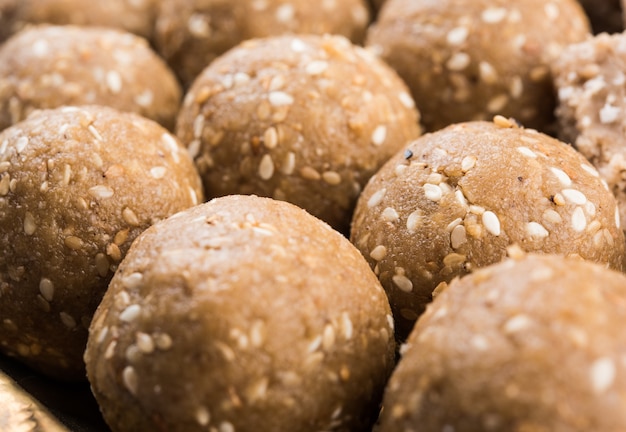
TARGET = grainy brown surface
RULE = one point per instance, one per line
(532, 344)
(50, 66)
(190, 34)
(457, 198)
(468, 60)
(305, 119)
(590, 79)
(241, 314)
(135, 16)
(77, 186)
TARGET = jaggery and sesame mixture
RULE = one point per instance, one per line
(49, 66)
(305, 119)
(77, 186)
(470, 59)
(455, 199)
(529, 344)
(244, 313)
(190, 34)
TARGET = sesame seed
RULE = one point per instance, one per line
(534, 229)
(163, 341)
(67, 320)
(379, 135)
(458, 61)
(432, 192)
(406, 100)
(552, 11)
(102, 264)
(172, 145)
(114, 252)
(618, 219)
(480, 343)
(493, 15)
(73, 242)
(328, 337)
(145, 342)
(109, 352)
(377, 198)
(46, 288)
(609, 113)
(468, 163)
(602, 375)
(131, 313)
(289, 164)
(144, 99)
(298, 45)
(574, 196)
(527, 152)
(402, 282)
(461, 198)
(517, 323)
(40, 47)
(226, 427)
(378, 253)
(198, 26)
(487, 72)
(491, 223)
(457, 35)
(332, 178)
(390, 215)
(502, 121)
(266, 167)
(130, 217)
(114, 81)
(497, 103)
(130, 379)
(590, 169)
(270, 138)
(21, 144)
(347, 327)
(452, 225)
(414, 221)
(310, 173)
(158, 172)
(561, 176)
(101, 192)
(458, 237)
(516, 87)
(257, 333)
(476, 209)
(29, 224)
(92, 129)
(279, 99)
(454, 260)
(284, 13)
(316, 67)
(579, 221)
(203, 417)
(132, 281)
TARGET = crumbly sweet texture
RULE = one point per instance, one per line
(77, 186)
(50, 66)
(470, 59)
(190, 34)
(239, 314)
(604, 15)
(304, 119)
(590, 78)
(135, 16)
(525, 345)
(456, 199)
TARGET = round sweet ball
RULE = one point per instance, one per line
(455, 200)
(590, 79)
(77, 186)
(240, 312)
(470, 59)
(604, 15)
(524, 345)
(50, 66)
(190, 34)
(305, 119)
(134, 16)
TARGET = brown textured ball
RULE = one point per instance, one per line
(50, 66)
(470, 59)
(135, 16)
(190, 34)
(527, 345)
(456, 199)
(305, 119)
(241, 314)
(77, 185)
(590, 78)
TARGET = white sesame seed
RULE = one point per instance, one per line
(158, 172)
(609, 113)
(618, 219)
(552, 11)
(46, 288)
(163, 341)
(285, 13)
(468, 163)
(172, 145)
(491, 222)
(131, 313)
(517, 323)
(602, 375)
(574, 196)
(101, 191)
(378, 253)
(476, 209)
(198, 26)
(414, 221)
(432, 192)
(270, 137)
(67, 320)
(21, 144)
(579, 221)
(316, 67)
(226, 427)
(114, 81)
(310, 173)
(458, 237)
(402, 282)
(406, 100)
(479, 342)
(266, 167)
(132, 281)
(73, 242)
(516, 87)
(561, 176)
(298, 45)
(379, 135)
(130, 379)
(390, 215)
(457, 35)
(452, 225)
(331, 177)
(328, 337)
(289, 164)
(130, 217)
(534, 229)
(497, 103)
(29, 224)
(590, 169)
(347, 327)
(527, 152)
(144, 99)
(279, 98)
(92, 129)
(377, 198)
(493, 15)
(458, 61)
(487, 73)
(461, 198)
(40, 47)
(203, 417)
